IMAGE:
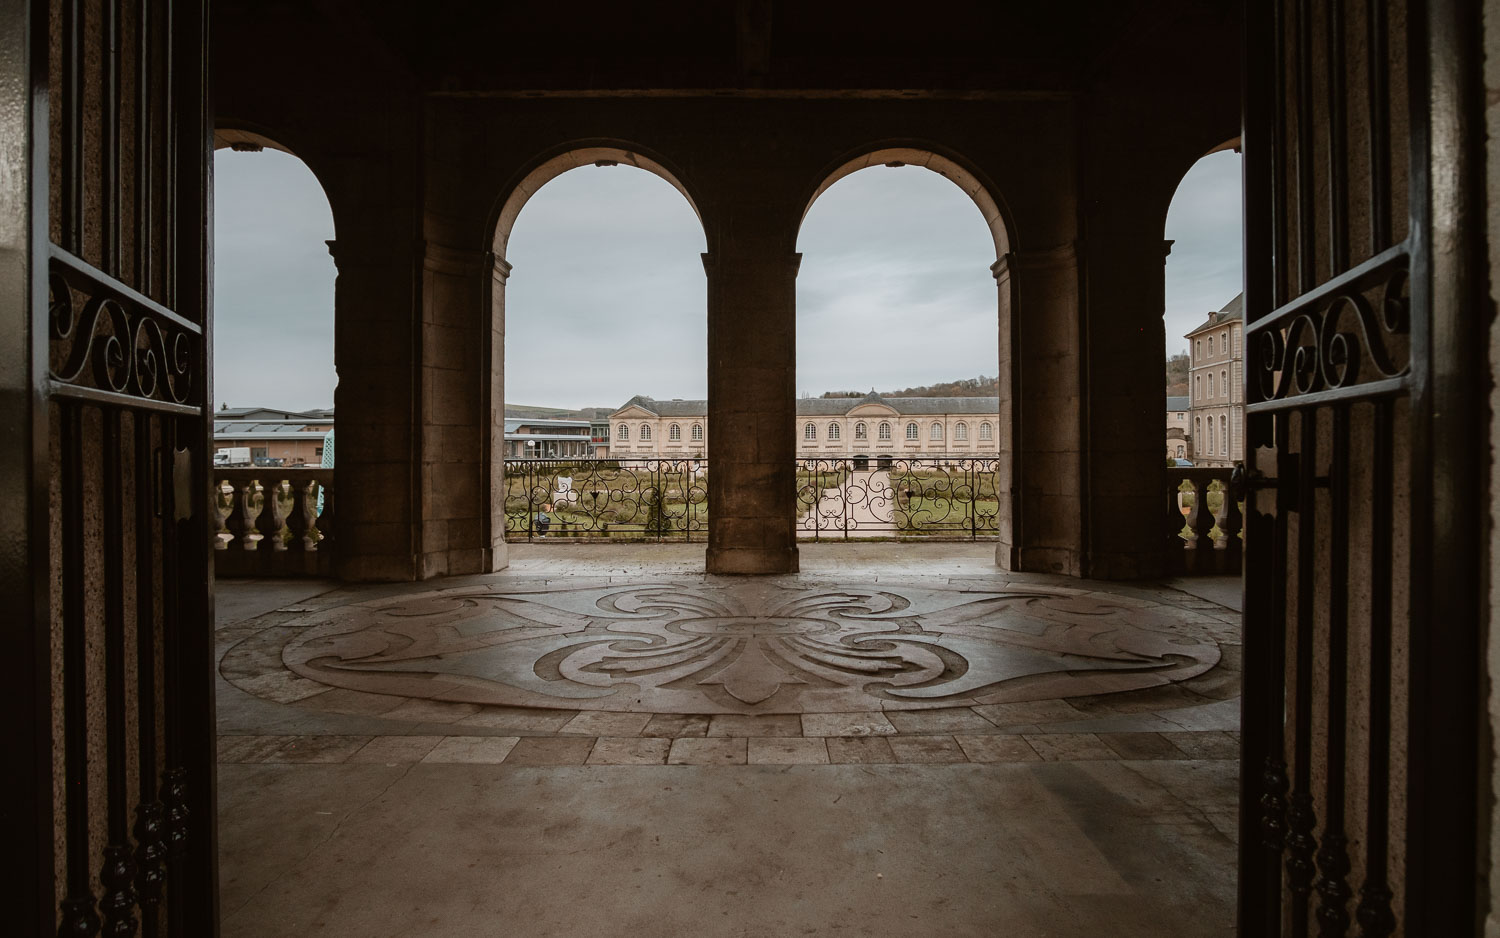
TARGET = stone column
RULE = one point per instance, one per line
(374, 403)
(752, 363)
(459, 380)
(1040, 441)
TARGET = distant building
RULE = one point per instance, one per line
(1216, 385)
(551, 438)
(824, 427)
(1179, 439)
(281, 437)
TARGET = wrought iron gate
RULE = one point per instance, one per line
(1361, 621)
(119, 662)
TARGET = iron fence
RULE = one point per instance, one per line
(618, 500)
(889, 496)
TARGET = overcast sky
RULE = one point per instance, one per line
(606, 299)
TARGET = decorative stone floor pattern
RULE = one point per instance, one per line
(539, 656)
(725, 750)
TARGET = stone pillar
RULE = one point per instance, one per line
(1126, 394)
(1040, 440)
(457, 412)
(752, 363)
(494, 442)
(374, 403)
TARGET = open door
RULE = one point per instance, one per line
(1359, 808)
(107, 625)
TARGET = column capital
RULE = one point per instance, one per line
(1061, 255)
(461, 262)
(349, 255)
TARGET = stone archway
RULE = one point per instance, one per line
(985, 198)
(514, 197)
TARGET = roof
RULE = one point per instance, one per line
(270, 429)
(834, 406)
(321, 415)
(1233, 310)
(1179, 403)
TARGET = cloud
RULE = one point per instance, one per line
(608, 296)
(1206, 267)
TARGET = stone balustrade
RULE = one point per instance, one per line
(269, 522)
(1201, 539)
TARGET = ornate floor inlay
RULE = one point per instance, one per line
(761, 646)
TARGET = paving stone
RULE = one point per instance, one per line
(689, 750)
(926, 749)
(342, 700)
(781, 750)
(847, 724)
(322, 749)
(396, 749)
(1210, 745)
(734, 724)
(629, 750)
(1069, 747)
(477, 749)
(605, 723)
(420, 710)
(1029, 711)
(1141, 745)
(996, 747)
(519, 718)
(249, 748)
(861, 749)
(673, 725)
(938, 721)
(550, 750)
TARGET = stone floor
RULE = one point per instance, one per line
(901, 740)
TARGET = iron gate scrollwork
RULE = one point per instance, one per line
(1357, 782)
(120, 327)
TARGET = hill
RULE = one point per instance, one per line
(981, 386)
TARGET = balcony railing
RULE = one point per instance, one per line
(886, 496)
(269, 522)
(1205, 523)
(615, 500)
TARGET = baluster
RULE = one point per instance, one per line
(300, 521)
(238, 520)
(270, 520)
(326, 519)
(1231, 522)
(221, 514)
(1176, 559)
(1201, 521)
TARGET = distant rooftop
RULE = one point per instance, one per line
(1234, 309)
(833, 406)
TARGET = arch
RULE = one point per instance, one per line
(936, 432)
(548, 167)
(809, 431)
(861, 431)
(912, 431)
(982, 193)
(833, 431)
(674, 432)
(645, 433)
(960, 431)
(697, 432)
(232, 134)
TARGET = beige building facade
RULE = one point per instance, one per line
(1216, 386)
(1179, 439)
(893, 427)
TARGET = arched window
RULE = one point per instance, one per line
(1210, 346)
(674, 432)
(1179, 451)
(1210, 450)
(1197, 387)
(885, 430)
(960, 431)
(861, 432)
(833, 431)
(1223, 435)
(622, 433)
(1224, 382)
(809, 431)
(937, 431)
(1224, 342)
(645, 431)
(911, 431)
(697, 432)
(1210, 385)
(1198, 429)
(986, 432)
